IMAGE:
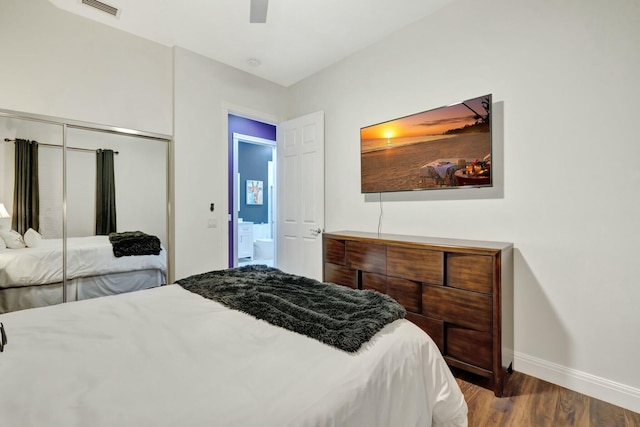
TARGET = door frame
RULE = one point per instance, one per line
(237, 138)
(226, 241)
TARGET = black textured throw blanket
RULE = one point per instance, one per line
(336, 315)
(134, 243)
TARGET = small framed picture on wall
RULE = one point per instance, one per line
(254, 192)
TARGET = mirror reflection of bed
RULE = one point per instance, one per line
(33, 271)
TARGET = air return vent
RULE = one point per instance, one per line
(101, 6)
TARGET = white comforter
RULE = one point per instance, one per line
(86, 256)
(167, 357)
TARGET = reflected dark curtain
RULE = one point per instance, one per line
(26, 194)
(105, 193)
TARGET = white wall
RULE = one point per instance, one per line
(564, 79)
(204, 91)
(59, 64)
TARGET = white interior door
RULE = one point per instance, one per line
(300, 177)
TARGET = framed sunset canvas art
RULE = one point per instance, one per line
(446, 147)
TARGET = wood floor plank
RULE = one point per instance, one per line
(531, 402)
(526, 403)
(572, 409)
(602, 414)
(479, 406)
(546, 398)
(503, 408)
(633, 418)
(465, 386)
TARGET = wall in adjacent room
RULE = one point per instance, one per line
(564, 79)
(253, 166)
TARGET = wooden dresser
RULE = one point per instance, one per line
(458, 291)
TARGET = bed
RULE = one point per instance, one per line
(32, 276)
(168, 356)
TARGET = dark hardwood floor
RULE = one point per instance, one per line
(531, 402)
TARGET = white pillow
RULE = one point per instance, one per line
(32, 238)
(12, 239)
(3, 246)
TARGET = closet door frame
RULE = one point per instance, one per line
(76, 124)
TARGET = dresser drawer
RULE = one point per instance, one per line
(474, 272)
(407, 292)
(464, 308)
(374, 281)
(416, 264)
(433, 327)
(469, 346)
(335, 251)
(367, 257)
(340, 275)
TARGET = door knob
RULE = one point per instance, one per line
(316, 231)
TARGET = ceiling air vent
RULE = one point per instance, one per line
(101, 6)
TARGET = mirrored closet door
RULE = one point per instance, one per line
(31, 191)
(86, 210)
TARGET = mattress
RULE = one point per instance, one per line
(168, 357)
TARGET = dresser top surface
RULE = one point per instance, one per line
(422, 240)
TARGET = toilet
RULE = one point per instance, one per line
(263, 249)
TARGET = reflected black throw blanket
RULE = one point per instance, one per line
(336, 315)
(134, 243)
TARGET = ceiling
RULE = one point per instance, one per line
(299, 38)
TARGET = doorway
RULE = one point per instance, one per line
(252, 192)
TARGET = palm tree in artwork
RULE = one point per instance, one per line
(486, 105)
(479, 118)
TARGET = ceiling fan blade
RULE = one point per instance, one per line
(258, 14)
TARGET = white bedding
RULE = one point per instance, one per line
(167, 357)
(86, 256)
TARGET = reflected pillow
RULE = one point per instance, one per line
(32, 238)
(12, 239)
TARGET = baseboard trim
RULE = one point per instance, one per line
(600, 388)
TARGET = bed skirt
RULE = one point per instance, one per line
(24, 297)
